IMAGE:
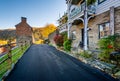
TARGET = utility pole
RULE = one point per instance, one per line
(85, 27)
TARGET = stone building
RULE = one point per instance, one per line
(104, 20)
(51, 37)
(23, 32)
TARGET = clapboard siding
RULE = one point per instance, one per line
(105, 6)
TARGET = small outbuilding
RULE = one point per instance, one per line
(23, 32)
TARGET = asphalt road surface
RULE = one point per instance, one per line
(45, 63)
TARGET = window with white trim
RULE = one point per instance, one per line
(104, 30)
(73, 35)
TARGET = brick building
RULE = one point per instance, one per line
(23, 32)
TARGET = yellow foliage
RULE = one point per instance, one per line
(48, 29)
(42, 33)
(45, 31)
(2, 42)
(39, 42)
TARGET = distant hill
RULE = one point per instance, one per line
(42, 33)
(7, 33)
(38, 33)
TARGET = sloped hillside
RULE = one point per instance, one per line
(8, 33)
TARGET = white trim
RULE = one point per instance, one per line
(105, 6)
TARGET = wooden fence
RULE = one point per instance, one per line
(10, 57)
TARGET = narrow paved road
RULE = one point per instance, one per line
(45, 63)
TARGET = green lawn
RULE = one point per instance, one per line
(16, 54)
(3, 57)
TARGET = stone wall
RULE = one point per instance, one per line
(117, 20)
(51, 37)
(76, 42)
(22, 40)
(77, 34)
(94, 32)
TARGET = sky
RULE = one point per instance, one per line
(38, 12)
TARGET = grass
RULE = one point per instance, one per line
(13, 51)
(85, 54)
(3, 68)
(16, 54)
(3, 57)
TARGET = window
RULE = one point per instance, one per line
(104, 30)
(100, 1)
(73, 35)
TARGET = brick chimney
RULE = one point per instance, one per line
(23, 19)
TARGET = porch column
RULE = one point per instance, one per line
(112, 20)
(68, 24)
(85, 27)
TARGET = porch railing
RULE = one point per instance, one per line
(80, 10)
(63, 28)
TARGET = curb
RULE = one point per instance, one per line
(13, 65)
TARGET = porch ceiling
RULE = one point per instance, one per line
(77, 22)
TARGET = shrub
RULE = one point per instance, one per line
(107, 45)
(67, 45)
(58, 40)
(85, 54)
(104, 56)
